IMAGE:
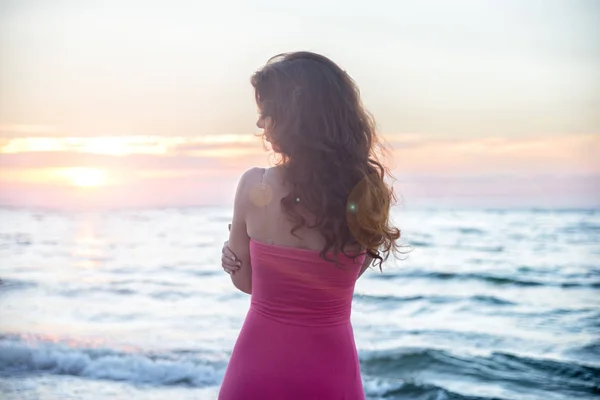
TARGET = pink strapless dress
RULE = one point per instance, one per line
(297, 341)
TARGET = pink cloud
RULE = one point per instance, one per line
(565, 154)
(145, 161)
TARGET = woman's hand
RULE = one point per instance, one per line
(229, 261)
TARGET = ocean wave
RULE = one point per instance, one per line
(581, 227)
(84, 291)
(558, 211)
(486, 278)
(588, 352)
(126, 291)
(18, 357)
(509, 369)
(420, 243)
(470, 231)
(15, 284)
(484, 249)
(171, 295)
(411, 390)
(492, 300)
(18, 238)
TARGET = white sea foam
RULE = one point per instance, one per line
(19, 356)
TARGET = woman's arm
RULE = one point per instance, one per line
(239, 241)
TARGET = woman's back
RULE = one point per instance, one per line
(267, 222)
(297, 287)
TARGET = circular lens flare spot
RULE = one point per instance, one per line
(261, 194)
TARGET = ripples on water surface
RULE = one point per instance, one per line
(132, 304)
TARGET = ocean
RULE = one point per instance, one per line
(133, 304)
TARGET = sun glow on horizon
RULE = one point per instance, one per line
(85, 177)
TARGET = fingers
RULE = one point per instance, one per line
(230, 271)
(229, 261)
(229, 254)
(230, 264)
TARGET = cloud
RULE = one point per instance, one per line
(119, 145)
(575, 154)
(132, 161)
(190, 148)
(27, 130)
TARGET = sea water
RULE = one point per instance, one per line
(133, 304)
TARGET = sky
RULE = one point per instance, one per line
(142, 104)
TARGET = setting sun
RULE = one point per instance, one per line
(85, 177)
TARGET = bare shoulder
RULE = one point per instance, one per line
(250, 178)
(247, 185)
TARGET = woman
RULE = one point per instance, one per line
(303, 232)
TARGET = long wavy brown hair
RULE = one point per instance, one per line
(329, 151)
